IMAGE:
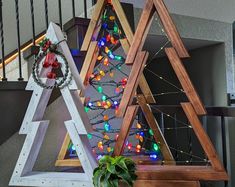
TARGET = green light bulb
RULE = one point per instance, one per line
(86, 109)
(89, 136)
(104, 98)
(100, 89)
(106, 126)
(155, 147)
(118, 58)
(151, 132)
(115, 29)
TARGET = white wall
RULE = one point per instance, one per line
(219, 10)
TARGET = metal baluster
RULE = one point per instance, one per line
(162, 123)
(190, 144)
(46, 13)
(2, 44)
(223, 133)
(18, 36)
(33, 25)
(60, 13)
(73, 7)
(176, 137)
(85, 8)
(162, 129)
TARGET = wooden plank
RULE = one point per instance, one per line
(64, 149)
(125, 129)
(93, 24)
(185, 81)
(166, 183)
(76, 110)
(153, 124)
(186, 173)
(170, 28)
(23, 174)
(202, 136)
(89, 62)
(141, 30)
(56, 35)
(142, 83)
(144, 86)
(123, 20)
(132, 83)
(125, 45)
(37, 106)
(68, 163)
(82, 147)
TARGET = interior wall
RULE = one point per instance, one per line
(207, 70)
(209, 9)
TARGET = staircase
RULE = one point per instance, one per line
(12, 91)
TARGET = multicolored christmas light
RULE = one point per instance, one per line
(108, 81)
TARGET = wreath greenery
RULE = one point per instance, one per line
(47, 47)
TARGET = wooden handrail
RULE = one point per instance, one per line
(11, 56)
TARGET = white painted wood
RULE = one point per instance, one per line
(41, 96)
(37, 106)
(78, 128)
(23, 174)
(83, 148)
(76, 110)
(65, 49)
(30, 148)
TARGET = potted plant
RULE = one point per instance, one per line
(113, 171)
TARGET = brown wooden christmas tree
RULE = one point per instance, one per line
(91, 46)
(137, 58)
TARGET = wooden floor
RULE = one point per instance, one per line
(162, 183)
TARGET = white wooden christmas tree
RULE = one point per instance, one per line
(77, 127)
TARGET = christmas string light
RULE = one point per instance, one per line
(165, 80)
(109, 63)
(185, 153)
(157, 53)
(172, 117)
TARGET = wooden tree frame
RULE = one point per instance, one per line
(192, 109)
(90, 45)
(78, 128)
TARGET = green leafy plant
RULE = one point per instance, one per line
(112, 170)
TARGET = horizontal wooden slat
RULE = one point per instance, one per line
(171, 172)
(170, 28)
(68, 163)
(202, 136)
(166, 183)
(185, 81)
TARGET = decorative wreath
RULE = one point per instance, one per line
(50, 52)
